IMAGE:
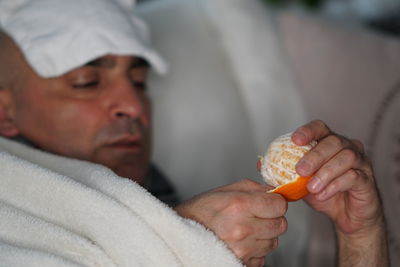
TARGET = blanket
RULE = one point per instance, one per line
(57, 211)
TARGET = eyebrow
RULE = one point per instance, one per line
(105, 62)
(139, 62)
(100, 62)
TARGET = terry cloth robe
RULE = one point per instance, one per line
(56, 211)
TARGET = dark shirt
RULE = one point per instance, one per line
(159, 186)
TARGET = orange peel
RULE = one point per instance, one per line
(278, 167)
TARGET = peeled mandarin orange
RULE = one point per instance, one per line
(278, 167)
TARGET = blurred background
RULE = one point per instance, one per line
(243, 72)
(380, 15)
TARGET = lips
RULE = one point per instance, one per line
(130, 143)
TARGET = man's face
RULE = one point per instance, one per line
(99, 112)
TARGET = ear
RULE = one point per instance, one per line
(7, 126)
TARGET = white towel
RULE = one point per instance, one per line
(57, 211)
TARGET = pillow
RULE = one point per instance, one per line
(201, 132)
(228, 94)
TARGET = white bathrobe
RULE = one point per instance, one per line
(56, 211)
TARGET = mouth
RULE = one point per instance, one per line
(129, 144)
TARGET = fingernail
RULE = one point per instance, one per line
(303, 168)
(315, 185)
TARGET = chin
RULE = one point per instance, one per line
(133, 166)
(132, 174)
(134, 170)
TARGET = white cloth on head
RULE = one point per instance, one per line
(57, 211)
(57, 36)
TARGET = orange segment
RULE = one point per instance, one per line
(294, 190)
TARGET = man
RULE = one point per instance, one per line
(95, 108)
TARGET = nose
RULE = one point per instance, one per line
(127, 102)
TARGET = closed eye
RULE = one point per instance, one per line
(140, 85)
(85, 85)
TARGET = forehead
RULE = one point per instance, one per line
(111, 61)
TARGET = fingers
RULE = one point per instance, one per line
(339, 164)
(268, 206)
(233, 229)
(256, 262)
(320, 154)
(253, 240)
(330, 160)
(332, 156)
(254, 249)
(271, 228)
(254, 200)
(342, 183)
(315, 130)
(336, 163)
(254, 228)
(251, 223)
(254, 254)
(243, 215)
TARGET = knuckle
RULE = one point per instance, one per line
(284, 205)
(335, 140)
(233, 232)
(368, 168)
(283, 225)
(261, 262)
(320, 123)
(263, 200)
(353, 174)
(360, 175)
(224, 235)
(334, 186)
(280, 205)
(241, 252)
(325, 172)
(237, 203)
(280, 225)
(314, 153)
(277, 226)
(350, 155)
(358, 144)
(240, 232)
(247, 182)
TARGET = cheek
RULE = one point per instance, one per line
(79, 121)
(32, 114)
(60, 127)
(83, 116)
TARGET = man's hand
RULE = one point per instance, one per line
(343, 187)
(246, 218)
